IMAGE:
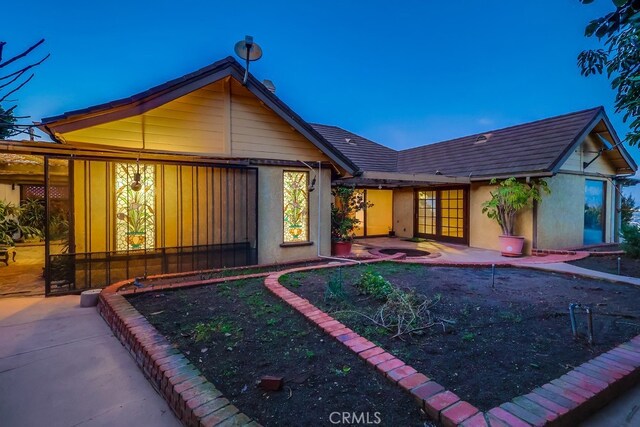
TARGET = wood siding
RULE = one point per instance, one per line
(222, 119)
(585, 153)
(193, 206)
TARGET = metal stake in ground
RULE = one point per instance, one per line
(493, 276)
(618, 266)
(572, 317)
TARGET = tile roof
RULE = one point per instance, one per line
(531, 147)
(366, 154)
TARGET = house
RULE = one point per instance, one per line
(436, 191)
(203, 172)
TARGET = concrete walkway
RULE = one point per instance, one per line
(574, 269)
(61, 366)
(455, 254)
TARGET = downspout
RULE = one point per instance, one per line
(617, 219)
(320, 216)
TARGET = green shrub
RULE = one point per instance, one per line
(631, 244)
(372, 283)
(335, 287)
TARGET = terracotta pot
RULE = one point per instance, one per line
(340, 248)
(511, 245)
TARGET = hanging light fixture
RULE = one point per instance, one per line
(136, 185)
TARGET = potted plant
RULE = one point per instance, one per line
(347, 202)
(510, 197)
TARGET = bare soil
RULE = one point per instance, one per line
(236, 332)
(495, 344)
(609, 264)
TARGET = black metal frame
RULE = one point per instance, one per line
(235, 245)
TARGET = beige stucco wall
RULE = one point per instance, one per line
(403, 212)
(270, 225)
(484, 232)
(9, 195)
(561, 213)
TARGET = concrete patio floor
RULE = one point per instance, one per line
(452, 253)
(60, 365)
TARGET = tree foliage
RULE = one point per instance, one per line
(619, 58)
(627, 208)
(510, 197)
(7, 123)
(347, 202)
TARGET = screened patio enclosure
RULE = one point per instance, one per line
(131, 218)
(116, 217)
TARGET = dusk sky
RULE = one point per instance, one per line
(400, 73)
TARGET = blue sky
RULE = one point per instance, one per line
(400, 73)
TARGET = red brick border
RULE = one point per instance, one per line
(563, 401)
(195, 401)
(545, 252)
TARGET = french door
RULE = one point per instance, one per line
(442, 214)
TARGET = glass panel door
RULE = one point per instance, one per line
(427, 213)
(452, 213)
(594, 213)
(440, 214)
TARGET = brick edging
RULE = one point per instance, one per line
(545, 252)
(563, 401)
(195, 401)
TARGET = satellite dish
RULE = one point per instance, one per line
(249, 51)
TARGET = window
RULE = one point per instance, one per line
(135, 206)
(427, 212)
(594, 211)
(296, 206)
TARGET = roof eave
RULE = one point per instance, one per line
(600, 115)
(159, 95)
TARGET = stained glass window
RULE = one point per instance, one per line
(135, 210)
(296, 206)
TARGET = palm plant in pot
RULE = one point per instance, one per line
(507, 200)
(347, 202)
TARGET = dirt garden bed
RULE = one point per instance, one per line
(236, 332)
(609, 264)
(487, 345)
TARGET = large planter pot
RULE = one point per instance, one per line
(340, 248)
(511, 245)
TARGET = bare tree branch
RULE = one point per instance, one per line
(21, 55)
(11, 81)
(25, 69)
(17, 88)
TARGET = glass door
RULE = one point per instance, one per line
(594, 212)
(426, 213)
(441, 214)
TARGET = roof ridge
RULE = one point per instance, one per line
(560, 116)
(353, 133)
